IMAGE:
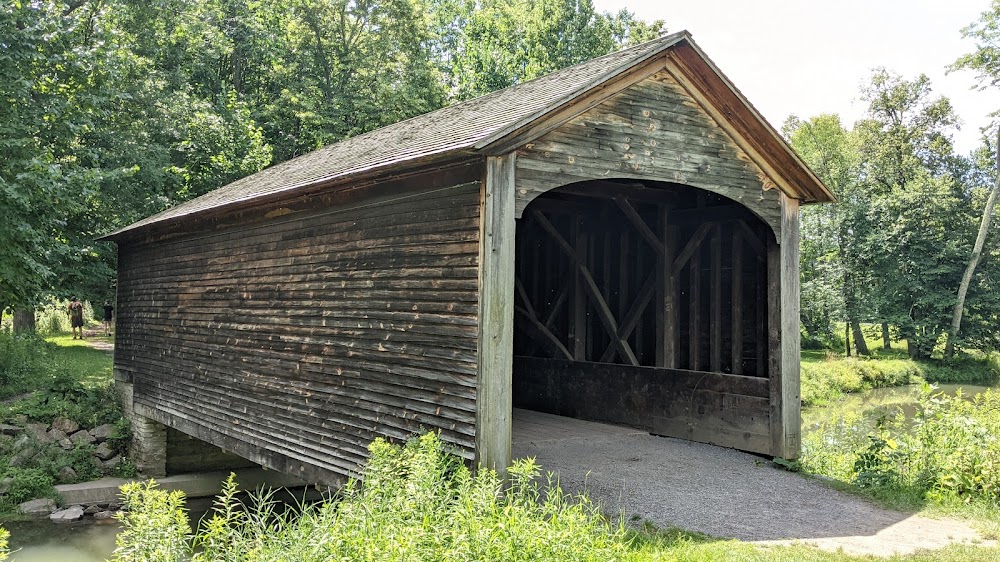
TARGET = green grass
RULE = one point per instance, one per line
(652, 545)
(828, 375)
(90, 367)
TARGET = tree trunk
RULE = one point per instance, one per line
(886, 340)
(847, 338)
(24, 320)
(859, 339)
(912, 350)
(977, 253)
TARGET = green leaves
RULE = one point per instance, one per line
(415, 502)
(113, 111)
(985, 60)
(494, 44)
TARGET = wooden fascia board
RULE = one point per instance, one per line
(361, 180)
(510, 138)
(768, 150)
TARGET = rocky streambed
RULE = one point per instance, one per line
(40, 455)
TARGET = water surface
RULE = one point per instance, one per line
(879, 401)
(45, 541)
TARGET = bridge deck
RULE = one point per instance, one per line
(535, 427)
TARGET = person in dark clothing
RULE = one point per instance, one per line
(75, 312)
(109, 312)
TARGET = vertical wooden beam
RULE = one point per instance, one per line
(662, 295)
(496, 315)
(761, 320)
(737, 302)
(668, 314)
(638, 265)
(783, 331)
(624, 268)
(578, 308)
(694, 311)
(715, 299)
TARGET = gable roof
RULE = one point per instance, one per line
(469, 127)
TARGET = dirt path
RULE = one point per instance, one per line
(720, 492)
(91, 337)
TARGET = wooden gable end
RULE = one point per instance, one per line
(651, 130)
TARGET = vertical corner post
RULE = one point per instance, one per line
(496, 315)
(783, 333)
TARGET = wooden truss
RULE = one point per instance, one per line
(677, 243)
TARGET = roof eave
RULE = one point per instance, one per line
(453, 153)
(814, 190)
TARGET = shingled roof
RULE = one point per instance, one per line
(467, 126)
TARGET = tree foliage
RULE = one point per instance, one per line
(113, 110)
(893, 249)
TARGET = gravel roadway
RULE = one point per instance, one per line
(719, 492)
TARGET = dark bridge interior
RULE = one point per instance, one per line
(644, 304)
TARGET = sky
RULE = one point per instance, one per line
(807, 57)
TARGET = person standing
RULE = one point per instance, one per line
(76, 317)
(109, 312)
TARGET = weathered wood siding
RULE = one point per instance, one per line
(296, 337)
(652, 130)
(725, 410)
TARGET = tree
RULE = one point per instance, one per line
(829, 150)
(489, 45)
(918, 213)
(985, 60)
(47, 103)
(113, 110)
(977, 253)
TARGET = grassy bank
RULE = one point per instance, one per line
(827, 375)
(44, 384)
(945, 460)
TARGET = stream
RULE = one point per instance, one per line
(888, 400)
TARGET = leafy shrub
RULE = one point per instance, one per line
(154, 525)
(4, 550)
(878, 464)
(951, 449)
(983, 369)
(52, 458)
(27, 484)
(956, 445)
(125, 469)
(413, 503)
(66, 397)
(25, 360)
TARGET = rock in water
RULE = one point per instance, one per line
(42, 506)
(72, 513)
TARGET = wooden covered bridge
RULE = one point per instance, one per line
(616, 241)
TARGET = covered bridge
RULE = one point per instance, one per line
(616, 241)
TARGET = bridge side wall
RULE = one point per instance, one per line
(293, 335)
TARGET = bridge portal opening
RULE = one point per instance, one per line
(645, 304)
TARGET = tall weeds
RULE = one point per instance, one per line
(415, 502)
(949, 451)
